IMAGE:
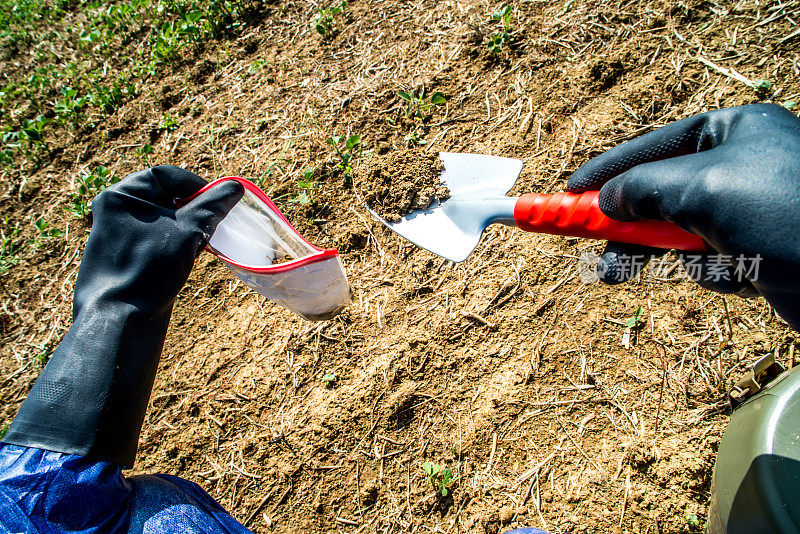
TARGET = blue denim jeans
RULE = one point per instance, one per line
(44, 492)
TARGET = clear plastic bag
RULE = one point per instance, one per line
(262, 249)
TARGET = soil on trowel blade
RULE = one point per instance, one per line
(400, 182)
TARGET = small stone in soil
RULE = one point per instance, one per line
(506, 514)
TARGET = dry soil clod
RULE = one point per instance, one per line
(397, 183)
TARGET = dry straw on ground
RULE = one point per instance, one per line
(505, 368)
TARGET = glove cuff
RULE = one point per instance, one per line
(92, 395)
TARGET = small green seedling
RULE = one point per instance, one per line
(42, 358)
(307, 187)
(10, 247)
(144, 151)
(89, 186)
(43, 230)
(257, 65)
(415, 138)
(763, 88)
(7, 154)
(43, 233)
(692, 521)
(28, 140)
(3, 431)
(107, 99)
(168, 123)
(632, 326)
(418, 105)
(325, 20)
(348, 150)
(635, 319)
(503, 16)
(90, 38)
(503, 35)
(496, 42)
(70, 107)
(33, 129)
(329, 379)
(438, 478)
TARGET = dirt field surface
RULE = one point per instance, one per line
(552, 401)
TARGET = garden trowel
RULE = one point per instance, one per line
(478, 185)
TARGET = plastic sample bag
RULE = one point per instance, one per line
(262, 249)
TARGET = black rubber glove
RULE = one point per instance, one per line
(731, 176)
(92, 395)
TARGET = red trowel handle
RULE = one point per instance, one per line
(580, 216)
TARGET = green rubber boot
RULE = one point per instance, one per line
(756, 487)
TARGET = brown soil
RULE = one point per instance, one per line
(395, 184)
(505, 368)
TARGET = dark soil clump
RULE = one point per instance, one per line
(400, 182)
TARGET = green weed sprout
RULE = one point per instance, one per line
(257, 65)
(171, 36)
(33, 129)
(70, 107)
(415, 138)
(90, 38)
(417, 105)
(144, 151)
(329, 379)
(503, 36)
(763, 88)
(42, 358)
(635, 319)
(168, 122)
(28, 139)
(7, 154)
(10, 247)
(348, 150)
(108, 99)
(307, 187)
(504, 16)
(3, 431)
(89, 186)
(43, 233)
(438, 478)
(325, 20)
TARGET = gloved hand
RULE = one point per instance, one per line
(731, 176)
(91, 397)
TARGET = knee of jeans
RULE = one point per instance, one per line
(157, 504)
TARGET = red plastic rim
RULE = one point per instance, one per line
(320, 254)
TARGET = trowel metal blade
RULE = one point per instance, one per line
(453, 228)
